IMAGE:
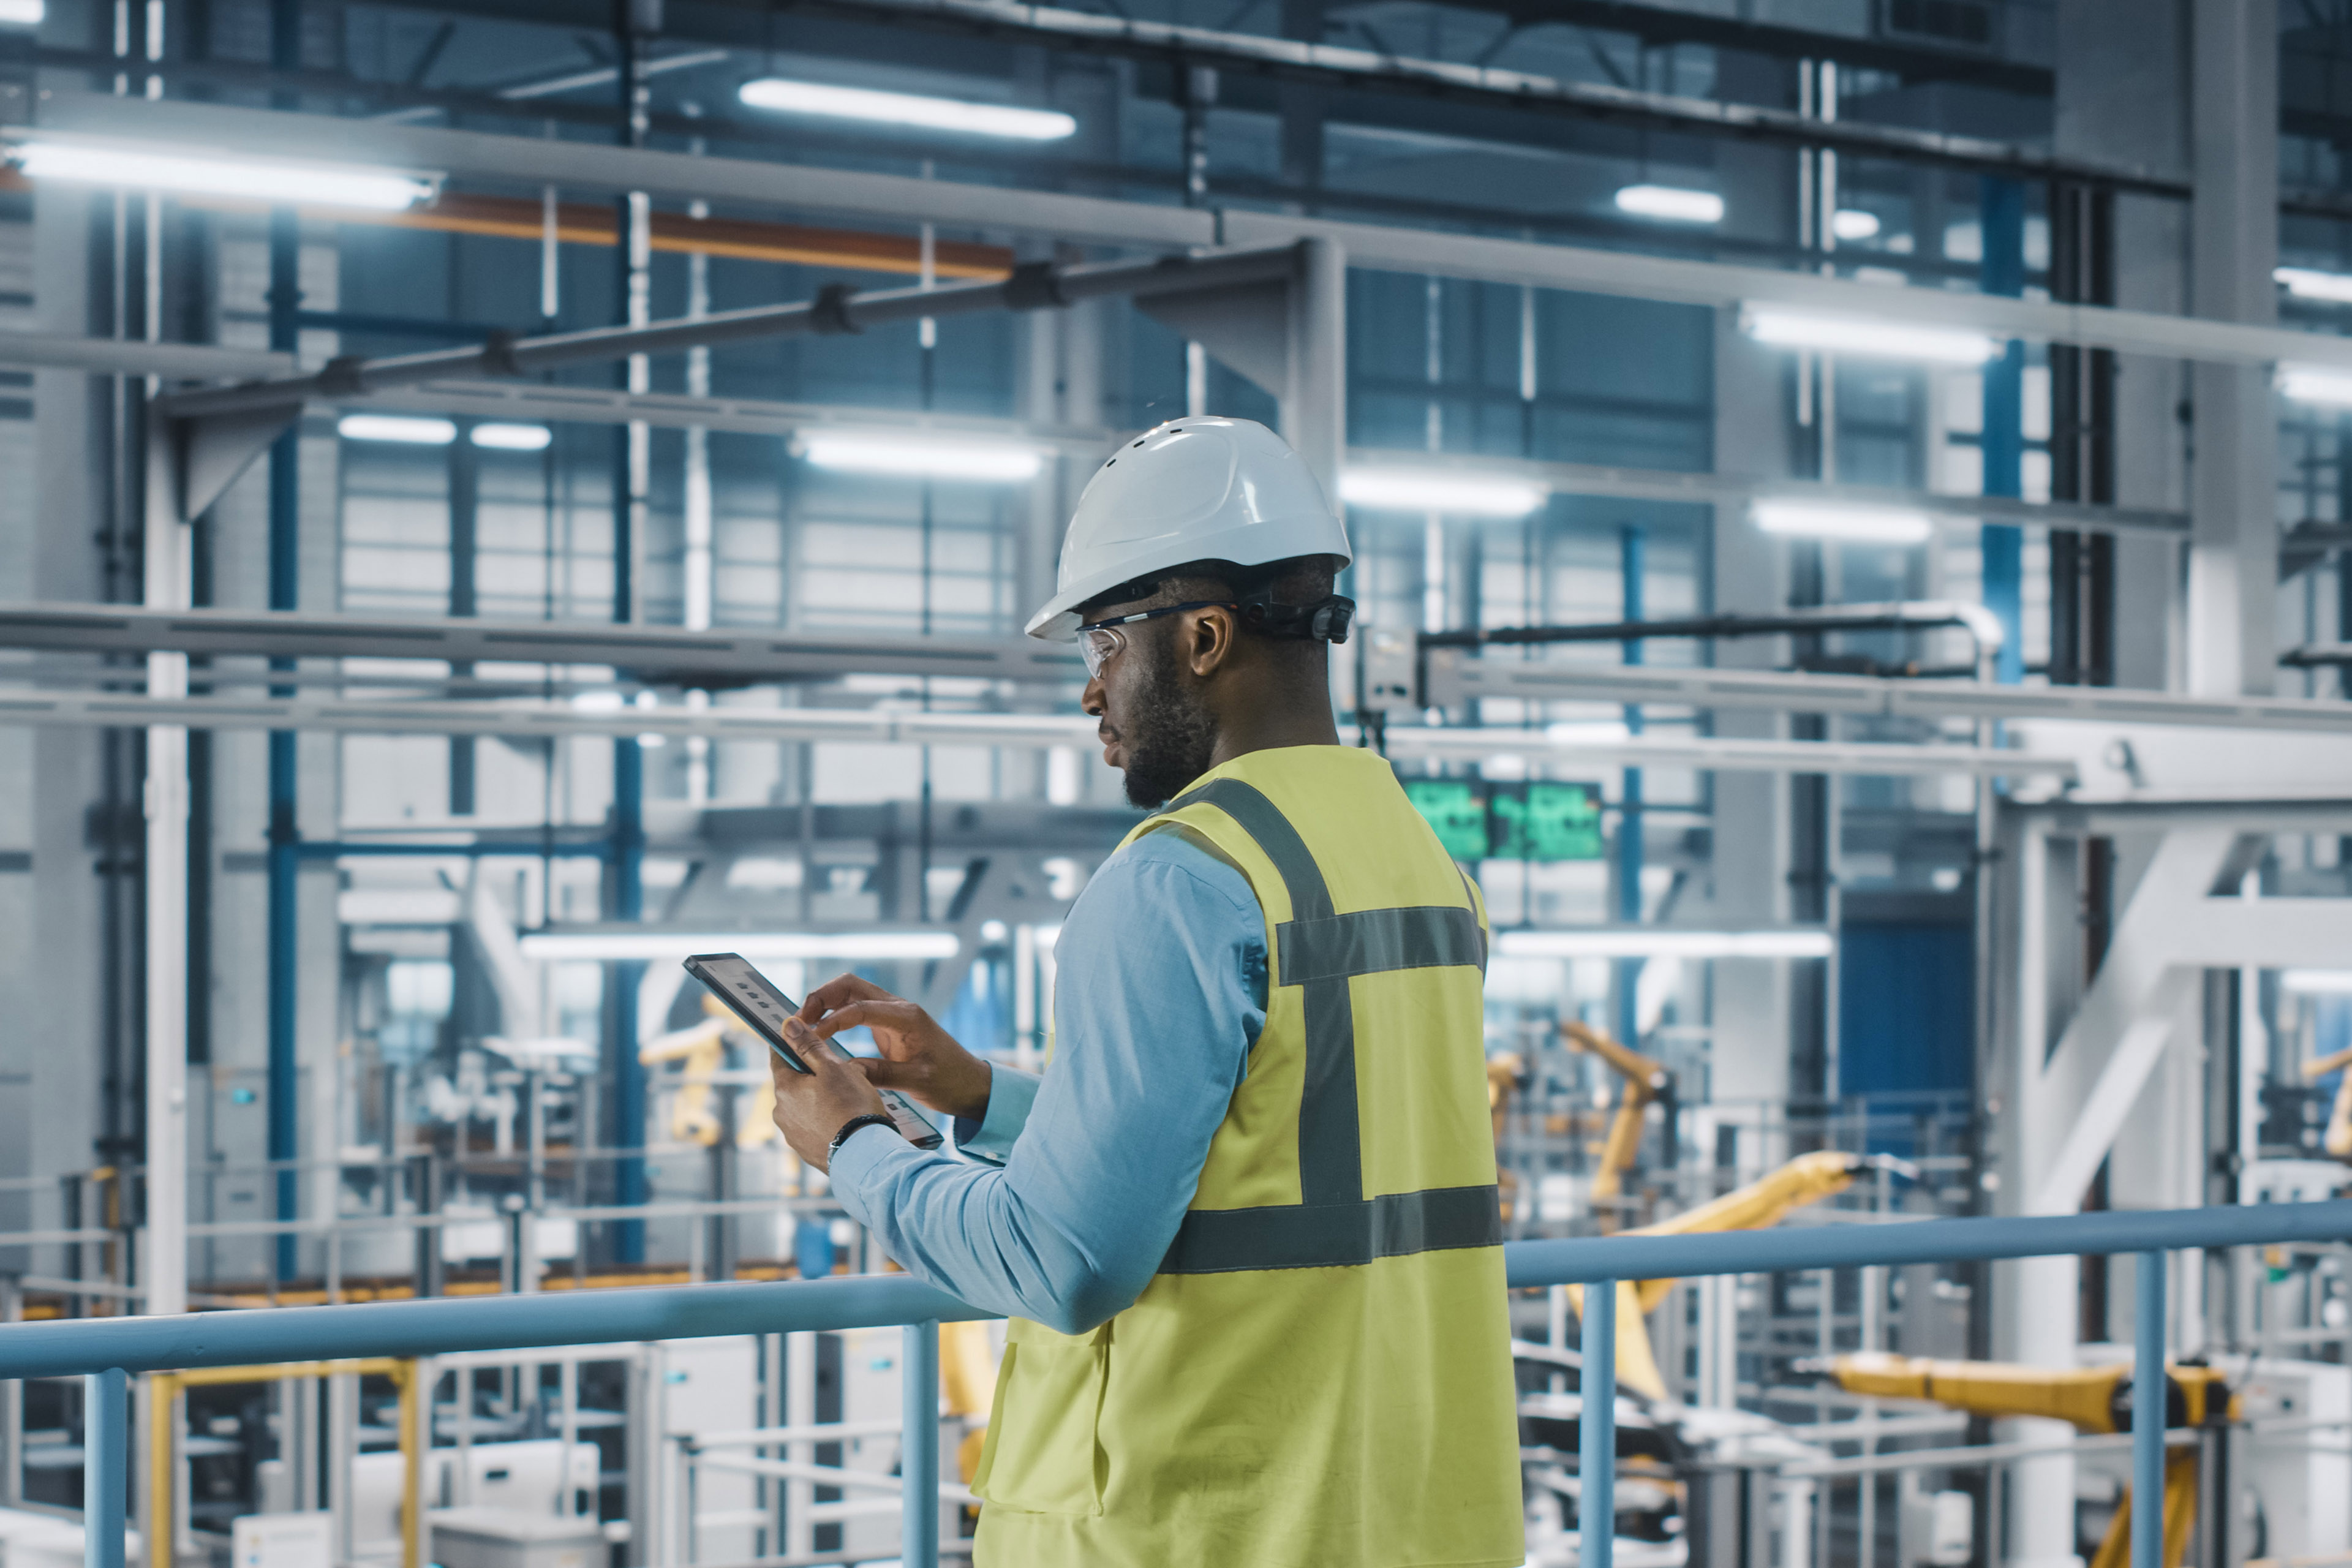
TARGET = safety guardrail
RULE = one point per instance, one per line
(105, 1351)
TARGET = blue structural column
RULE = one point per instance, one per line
(2002, 224)
(105, 1467)
(625, 885)
(1629, 811)
(285, 302)
(1596, 1428)
(919, 1447)
(2149, 1386)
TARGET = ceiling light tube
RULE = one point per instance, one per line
(1853, 223)
(2309, 383)
(511, 437)
(1873, 340)
(1673, 204)
(915, 453)
(401, 429)
(658, 946)
(1642, 941)
(1442, 491)
(999, 119)
(22, 13)
(301, 183)
(2316, 981)
(2310, 283)
(1855, 524)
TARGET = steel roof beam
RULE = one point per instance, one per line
(1099, 220)
(719, 657)
(873, 726)
(833, 312)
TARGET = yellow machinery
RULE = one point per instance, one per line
(2095, 1401)
(1644, 1081)
(163, 1391)
(1806, 1179)
(700, 1049)
(2338, 1141)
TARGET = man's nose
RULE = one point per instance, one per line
(1091, 700)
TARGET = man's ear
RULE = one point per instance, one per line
(1210, 635)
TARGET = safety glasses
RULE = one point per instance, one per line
(1099, 640)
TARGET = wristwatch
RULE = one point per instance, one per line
(849, 1130)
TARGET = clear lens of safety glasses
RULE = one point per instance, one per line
(1095, 645)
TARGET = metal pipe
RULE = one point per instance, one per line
(106, 1466)
(918, 1447)
(828, 313)
(2149, 1385)
(1596, 1463)
(1980, 624)
(68, 1347)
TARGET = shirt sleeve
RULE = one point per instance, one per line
(1011, 1093)
(1160, 996)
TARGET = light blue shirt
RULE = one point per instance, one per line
(1073, 1185)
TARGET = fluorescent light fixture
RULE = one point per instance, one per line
(301, 183)
(1671, 202)
(2309, 383)
(2310, 283)
(916, 455)
(2317, 982)
(1859, 524)
(1853, 223)
(1439, 489)
(22, 13)
(655, 946)
(402, 430)
(908, 109)
(1642, 941)
(1874, 340)
(511, 437)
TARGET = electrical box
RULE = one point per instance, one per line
(281, 1540)
(1386, 671)
(714, 1385)
(504, 1537)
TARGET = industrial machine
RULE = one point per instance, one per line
(2096, 1401)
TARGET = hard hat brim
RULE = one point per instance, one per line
(1058, 621)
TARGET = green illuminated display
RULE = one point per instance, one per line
(1542, 821)
(1478, 820)
(1456, 809)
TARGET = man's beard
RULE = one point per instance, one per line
(1168, 738)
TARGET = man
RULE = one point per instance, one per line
(1246, 1224)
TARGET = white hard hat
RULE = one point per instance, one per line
(1203, 489)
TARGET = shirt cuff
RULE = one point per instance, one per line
(855, 1163)
(1011, 1092)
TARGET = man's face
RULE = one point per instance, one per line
(1155, 727)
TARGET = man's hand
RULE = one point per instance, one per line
(812, 1106)
(918, 1059)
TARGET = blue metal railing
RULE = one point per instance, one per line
(105, 1350)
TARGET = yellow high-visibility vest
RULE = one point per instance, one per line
(1319, 1377)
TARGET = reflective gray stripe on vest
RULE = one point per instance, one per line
(1319, 950)
(1334, 1236)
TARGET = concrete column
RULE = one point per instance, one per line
(2233, 247)
(58, 991)
(2122, 79)
(1748, 572)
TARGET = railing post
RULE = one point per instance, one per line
(105, 1466)
(1596, 1463)
(2149, 1386)
(919, 1446)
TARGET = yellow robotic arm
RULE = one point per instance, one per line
(1645, 1078)
(700, 1049)
(2094, 1400)
(2338, 1141)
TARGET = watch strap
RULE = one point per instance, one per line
(849, 1130)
